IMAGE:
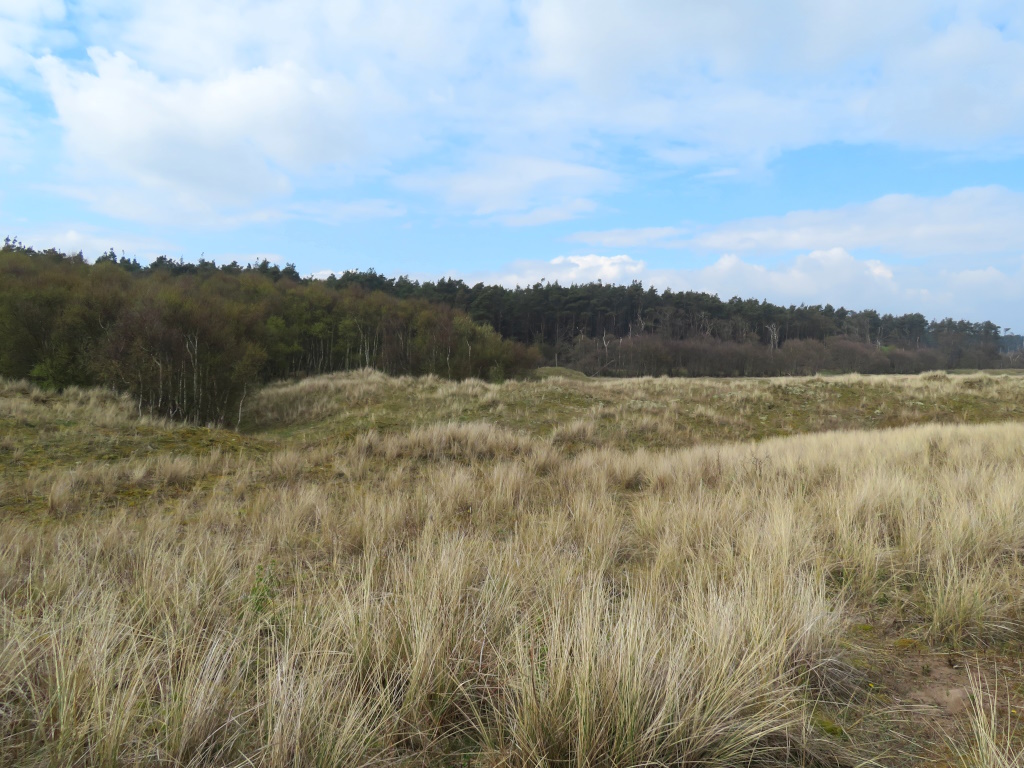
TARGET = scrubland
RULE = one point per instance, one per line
(566, 572)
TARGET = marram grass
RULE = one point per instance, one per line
(477, 593)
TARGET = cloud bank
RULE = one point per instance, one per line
(975, 221)
(261, 99)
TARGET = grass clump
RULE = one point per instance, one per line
(993, 736)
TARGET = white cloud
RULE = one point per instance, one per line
(652, 37)
(323, 274)
(988, 278)
(567, 270)
(837, 277)
(523, 110)
(831, 275)
(591, 267)
(500, 184)
(25, 24)
(200, 109)
(31, 10)
(226, 140)
(969, 222)
(746, 80)
(972, 221)
(416, 40)
(952, 89)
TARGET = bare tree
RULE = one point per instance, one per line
(773, 336)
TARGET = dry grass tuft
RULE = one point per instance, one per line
(995, 734)
(66, 494)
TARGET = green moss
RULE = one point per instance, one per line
(830, 727)
(907, 644)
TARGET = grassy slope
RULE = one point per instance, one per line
(626, 413)
(391, 569)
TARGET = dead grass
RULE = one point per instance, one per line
(632, 413)
(992, 735)
(487, 584)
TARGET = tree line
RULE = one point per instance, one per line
(190, 341)
(630, 330)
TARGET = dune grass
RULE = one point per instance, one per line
(553, 573)
(635, 413)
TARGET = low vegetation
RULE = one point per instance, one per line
(192, 342)
(557, 572)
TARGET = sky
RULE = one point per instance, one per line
(861, 153)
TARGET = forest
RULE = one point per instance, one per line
(629, 330)
(192, 341)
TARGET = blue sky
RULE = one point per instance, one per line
(867, 153)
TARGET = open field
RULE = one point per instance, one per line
(564, 572)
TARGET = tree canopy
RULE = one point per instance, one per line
(189, 340)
